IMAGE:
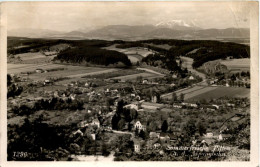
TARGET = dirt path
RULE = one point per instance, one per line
(92, 73)
(187, 62)
(149, 70)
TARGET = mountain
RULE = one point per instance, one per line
(120, 32)
(178, 25)
(34, 33)
(174, 29)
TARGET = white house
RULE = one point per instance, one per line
(93, 135)
(216, 106)
(96, 122)
(172, 85)
(83, 124)
(174, 76)
(78, 132)
(136, 146)
(139, 126)
(132, 106)
(156, 145)
(209, 134)
(191, 78)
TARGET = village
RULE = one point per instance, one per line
(143, 121)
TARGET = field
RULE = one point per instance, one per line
(237, 64)
(163, 46)
(209, 92)
(69, 70)
(220, 92)
(32, 58)
(134, 54)
(134, 76)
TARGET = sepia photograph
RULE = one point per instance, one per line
(130, 81)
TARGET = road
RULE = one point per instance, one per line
(187, 62)
(149, 70)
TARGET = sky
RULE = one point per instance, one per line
(74, 16)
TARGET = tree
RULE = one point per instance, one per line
(143, 135)
(139, 79)
(182, 97)
(202, 128)
(174, 97)
(190, 128)
(164, 126)
(115, 121)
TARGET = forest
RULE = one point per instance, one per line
(93, 55)
(201, 51)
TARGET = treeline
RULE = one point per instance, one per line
(205, 50)
(92, 55)
(167, 62)
(12, 88)
(48, 104)
(18, 45)
(37, 140)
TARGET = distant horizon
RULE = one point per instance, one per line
(116, 25)
(87, 16)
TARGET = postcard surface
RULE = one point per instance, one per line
(101, 82)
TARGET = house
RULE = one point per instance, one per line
(154, 99)
(176, 106)
(47, 82)
(174, 76)
(137, 145)
(172, 85)
(209, 135)
(157, 146)
(224, 136)
(216, 106)
(39, 70)
(93, 135)
(154, 135)
(230, 105)
(95, 122)
(83, 124)
(132, 95)
(191, 78)
(78, 132)
(86, 84)
(145, 81)
(132, 106)
(139, 126)
(72, 96)
(227, 85)
(164, 137)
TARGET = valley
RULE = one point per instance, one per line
(124, 100)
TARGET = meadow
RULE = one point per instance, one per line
(69, 71)
(196, 93)
(237, 65)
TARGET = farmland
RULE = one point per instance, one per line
(134, 76)
(219, 92)
(68, 70)
(162, 46)
(134, 53)
(32, 58)
(210, 92)
(237, 64)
